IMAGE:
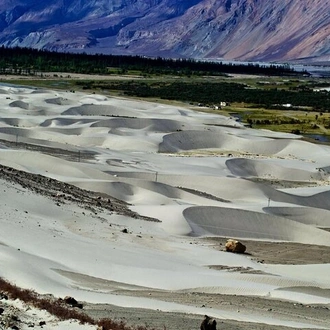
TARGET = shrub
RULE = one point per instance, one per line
(58, 307)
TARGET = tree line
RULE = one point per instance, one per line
(211, 93)
(30, 61)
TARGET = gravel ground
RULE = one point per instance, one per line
(173, 321)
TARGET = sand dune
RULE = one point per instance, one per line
(198, 174)
(264, 169)
(59, 101)
(20, 104)
(217, 138)
(97, 110)
(61, 122)
(20, 122)
(43, 164)
(23, 132)
(3, 91)
(319, 200)
(307, 215)
(246, 224)
(154, 125)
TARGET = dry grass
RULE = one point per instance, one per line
(59, 308)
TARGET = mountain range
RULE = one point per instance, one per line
(247, 30)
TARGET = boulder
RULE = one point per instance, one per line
(72, 302)
(235, 246)
(3, 296)
(209, 323)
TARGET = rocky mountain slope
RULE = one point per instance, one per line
(230, 29)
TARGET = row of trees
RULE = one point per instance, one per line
(31, 61)
(214, 93)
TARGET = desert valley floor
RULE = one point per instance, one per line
(126, 205)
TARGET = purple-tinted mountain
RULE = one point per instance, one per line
(280, 30)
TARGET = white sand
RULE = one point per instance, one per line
(146, 153)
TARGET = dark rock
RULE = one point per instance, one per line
(209, 323)
(3, 296)
(72, 302)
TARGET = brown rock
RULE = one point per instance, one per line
(235, 246)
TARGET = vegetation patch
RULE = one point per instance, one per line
(58, 307)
